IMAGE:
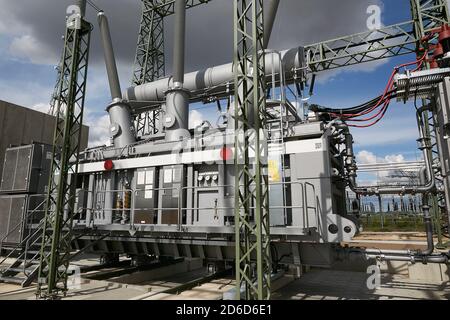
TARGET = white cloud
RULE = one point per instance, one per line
(396, 158)
(195, 119)
(98, 129)
(41, 107)
(31, 50)
(382, 176)
(366, 157)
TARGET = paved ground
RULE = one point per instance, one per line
(317, 284)
(345, 285)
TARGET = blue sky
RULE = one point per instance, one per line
(27, 77)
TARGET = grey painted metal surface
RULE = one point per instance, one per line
(26, 169)
(82, 5)
(176, 110)
(179, 41)
(269, 20)
(122, 129)
(216, 79)
(443, 130)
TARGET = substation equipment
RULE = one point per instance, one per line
(262, 188)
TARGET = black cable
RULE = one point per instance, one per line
(93, 5)
(356, 109)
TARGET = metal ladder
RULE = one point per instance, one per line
(24, 269)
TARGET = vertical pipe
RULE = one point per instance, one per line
(179, 42)
(82, 5)
(110, 61)
(426, 216)
(176, 118)
(269, 20)
(121, 128)
(380, 203)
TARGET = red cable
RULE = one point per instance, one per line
(384, 99)
(387, 89)
(385, 108)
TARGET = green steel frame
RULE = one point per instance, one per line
(429, 15)
(54, 99)
(252, 236)
(395, 40)
(362, 47)
(390, 41)
(59, 209)
(253, 264)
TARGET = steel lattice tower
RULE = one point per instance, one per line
(59, 209)
(429, 15)
(251, 179)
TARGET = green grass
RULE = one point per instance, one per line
(392, 222)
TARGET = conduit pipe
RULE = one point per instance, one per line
(121, 128)
(82, 5)
(176, 111)
(215, 80)
(269, 20)
(351, 168)
(424, 256)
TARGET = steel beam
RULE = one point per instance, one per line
(59, 209)
(394, 40)
(390, 41)
(252, 227)
(429, 15)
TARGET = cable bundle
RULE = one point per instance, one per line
(380, 104)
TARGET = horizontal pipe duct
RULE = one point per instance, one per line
(216, 79)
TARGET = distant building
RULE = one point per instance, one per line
(22, 126)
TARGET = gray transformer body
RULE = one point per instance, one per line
(177, 198)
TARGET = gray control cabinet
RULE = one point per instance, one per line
(12, 213)
(26, 169)
(171, 184)
(146, 202)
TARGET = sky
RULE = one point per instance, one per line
(31, 44)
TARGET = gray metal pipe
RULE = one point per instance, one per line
(423, 256)
(215, 79)
(176, 110)
(427, 218)
(414, 258)
(110, 61)
(351, 164)
(179, 42)
(82, 5)
(269, 20)
(400, 255)
(121, 129)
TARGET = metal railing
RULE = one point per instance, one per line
(23, 223)
(93, 207)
